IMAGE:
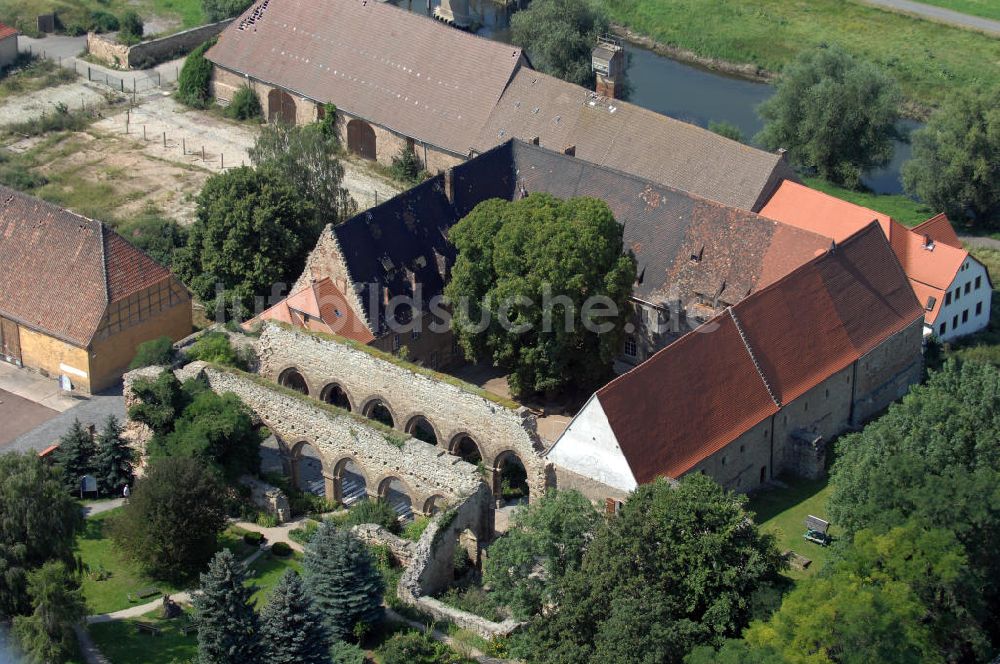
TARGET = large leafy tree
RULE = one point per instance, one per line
(307, 157)
(559, 36)
(933, 459)
(343, 581)
(253, 231)
(833, 113)
(228, 630)
(219, 10)
(39, 523)
(75, 455)
(956, 159)
(545, 542)
(193, 82)
(46, 635)
(158, 402)
(171, 522)
(679, 567)
(291, 630)
(114, 463)
(540, 271)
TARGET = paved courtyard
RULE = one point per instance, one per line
(19, 415)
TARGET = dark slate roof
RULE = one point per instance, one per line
(375, 61)
(801, 329)
(405, 238)
(59, 271)
(633, 139)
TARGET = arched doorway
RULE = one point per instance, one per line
(307, 469)
(361, 139)
(377, 410)
(334, 394)
(510, 480)
(433, 505)
(349, 482)
(293, 380)
(465, 447)
(280, 107)
(421, 429)
(394, 492)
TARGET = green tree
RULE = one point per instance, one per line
(132, 28)
(159, 402)
(39, 523)
(46, 635)
(307, 157)
(217, 431)
(171, 522)
(75, 456)
(228, 629)
(343, 581)
(551, 279)
(933, 459)
(678, 567)
(378, 511)
(291, 630)
(216, 347)
(418, 648)
(193, 83)
(157, 236)
(546, 541)
(245, 105)
(114, 462)
(956, 159)
(833, 113)
(220, 10)
(155, 352)
(727, 129)
(559, 36)
(253, 231)
(406, 167)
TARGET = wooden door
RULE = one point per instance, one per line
(10, 340)
(280, 107)
(361, 139)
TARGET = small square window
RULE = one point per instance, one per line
(742, 449)
(942, 329)
(947, 298)
(954, 321)
(631, 347)
(965, 316)
(979, 308)
(958, 293)
(968, 287)
(979, 282)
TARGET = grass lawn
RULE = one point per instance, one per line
(97, 551)
(122, 643)
(782, 512)
(30, 75)
(267, 570)
(984, 8)
(930, 60)
(160, 16)
(902, 208)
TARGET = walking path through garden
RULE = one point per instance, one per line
(940, 14)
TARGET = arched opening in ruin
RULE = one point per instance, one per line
(465, 446)
(377, 410)
(397, 494)
(466, 558)
(433, 505)
(334, 394)
(293, 380)
(349, 482)
(307, 469)
(361, 139)
(421, 429)
(510, 480)
(280, 107)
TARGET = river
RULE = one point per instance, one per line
(686, 92)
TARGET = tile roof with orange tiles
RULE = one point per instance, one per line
(59, 271)
(320, 307)
(704, 391)
(7, 31)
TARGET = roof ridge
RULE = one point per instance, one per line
(753, 357)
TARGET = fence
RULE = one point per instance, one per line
(130, 82)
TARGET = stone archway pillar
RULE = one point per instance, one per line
(331, 487)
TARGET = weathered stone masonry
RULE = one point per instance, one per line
(412, 395)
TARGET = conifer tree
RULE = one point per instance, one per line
(291, 630)
(227, 624)
(75, 455)
(343, 581)
(114, 463)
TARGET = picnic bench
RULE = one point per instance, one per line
(148, 628)
(143, 593)
(816, 531)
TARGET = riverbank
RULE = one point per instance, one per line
(929, 60)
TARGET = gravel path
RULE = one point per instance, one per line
(939, 14)
(975, 241)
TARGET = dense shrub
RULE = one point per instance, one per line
(131, 28)
(215, 347)
(253, 538)
(245, 105)
(373, 511)
(155, 352)
(156, 235)
(102, 22)
(219, 10)
(417, 648)
(195, 76)
(281, 549)
(406, 166)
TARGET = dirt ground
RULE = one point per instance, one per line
(27, 106)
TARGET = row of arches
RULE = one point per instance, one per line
(509, 473)
(361, 139)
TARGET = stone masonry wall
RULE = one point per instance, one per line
(146, 53)
(408, 393)
(887, 372)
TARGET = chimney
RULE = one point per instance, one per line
(783, 153)
(928, 242)
(449, 184)
(570, 150)
(607, 61)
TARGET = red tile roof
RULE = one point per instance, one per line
(381, 63)
(7, 31)
(59, 271)
(812, 210)
(939, 228)
(702, 392)
(320, 307)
